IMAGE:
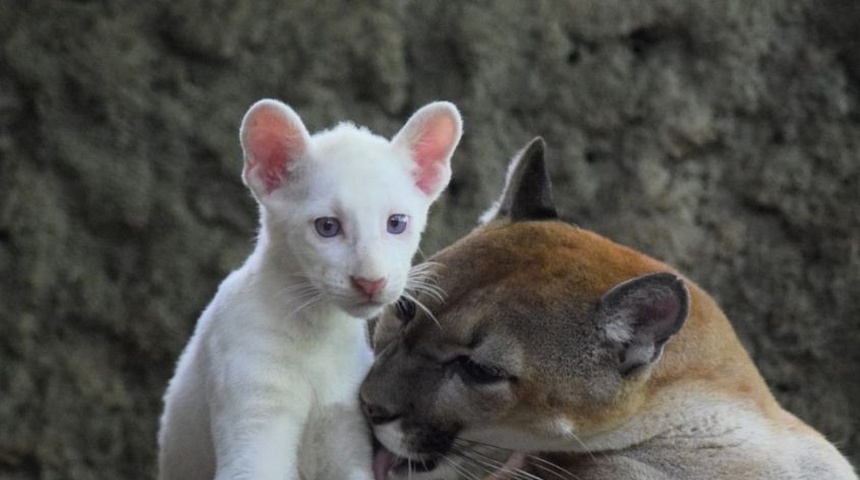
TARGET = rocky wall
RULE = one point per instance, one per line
(721, 137)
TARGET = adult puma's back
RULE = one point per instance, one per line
(561, 354)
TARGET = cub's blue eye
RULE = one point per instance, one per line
(397, 223)
(327, 226)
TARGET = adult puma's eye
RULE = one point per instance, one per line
(397, 223)
(327, 226)
(479, 373)
(404, 309)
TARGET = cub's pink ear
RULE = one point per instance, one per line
(430, 136)
(273, 137)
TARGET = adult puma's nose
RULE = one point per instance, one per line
(377, 414)
(367, 286)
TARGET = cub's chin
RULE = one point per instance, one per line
(362, 307)
(363, 310)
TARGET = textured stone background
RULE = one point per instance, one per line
(722, 137)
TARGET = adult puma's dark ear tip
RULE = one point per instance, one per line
(537, 146)
(528, 192)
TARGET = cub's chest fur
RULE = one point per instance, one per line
(587, 359)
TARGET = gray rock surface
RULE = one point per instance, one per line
(722, 137)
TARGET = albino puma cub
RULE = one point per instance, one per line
(559, 354)
(276, 358)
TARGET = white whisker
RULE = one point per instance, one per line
(584, 446)
(431, 290)
(551, 468)
(296, 290)
(467, 447)
(423, 308)
(468, 451)
(297, 297)
(461, 470)
(493, 465)
(313, 299)
(422, 277)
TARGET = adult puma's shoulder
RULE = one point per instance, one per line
(561, 354)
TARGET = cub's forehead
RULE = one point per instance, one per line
(355, 153)
(351, 169)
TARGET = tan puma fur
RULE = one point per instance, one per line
(587, 359)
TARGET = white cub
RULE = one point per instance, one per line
(275, 361)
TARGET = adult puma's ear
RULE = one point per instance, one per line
(638, 317)
(528, 190)
(273, 137)
(430, 136)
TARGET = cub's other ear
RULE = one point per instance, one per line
(273, 137)
(528, 191)
(638, 317)
(430, 136)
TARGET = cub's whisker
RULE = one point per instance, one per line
(308, 303)
(298, 289)
(298, 297)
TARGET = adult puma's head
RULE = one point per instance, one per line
(556, 353)
(544, 341)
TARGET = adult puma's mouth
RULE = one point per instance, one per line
(386, 462)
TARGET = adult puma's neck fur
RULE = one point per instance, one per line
(586, 359)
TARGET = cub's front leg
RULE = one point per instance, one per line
(337, 444)
(258, 416)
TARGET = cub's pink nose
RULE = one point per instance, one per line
(367, 286)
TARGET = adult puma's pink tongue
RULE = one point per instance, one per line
(383, 460)
(509, 469)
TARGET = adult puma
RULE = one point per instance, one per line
(557, 353)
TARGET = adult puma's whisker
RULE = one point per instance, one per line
(551, 468)
(460, 469)
(420, 305)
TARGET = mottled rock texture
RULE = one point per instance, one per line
(722, 137)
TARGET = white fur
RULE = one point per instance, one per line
(274, 363)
